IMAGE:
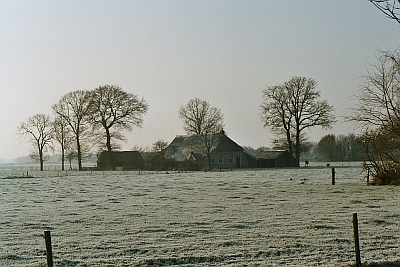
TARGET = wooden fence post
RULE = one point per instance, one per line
(356, 240)
(49, 252)
(333, 176)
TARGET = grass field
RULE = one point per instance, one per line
(277, 217)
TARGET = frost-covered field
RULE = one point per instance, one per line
(233, 218)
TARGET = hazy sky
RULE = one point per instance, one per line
(225, 52)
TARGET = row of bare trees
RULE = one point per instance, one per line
(83, 118)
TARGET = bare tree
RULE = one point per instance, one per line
(115, 109)
(379, 97)
(391, 8)
(159, 146)
(294, 107)
(201, 119)
(158, 160)
(39, 131)
(63, 136)
(74, 108)
(275, 114)
(378, 115)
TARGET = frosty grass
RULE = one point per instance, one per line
(270, 217)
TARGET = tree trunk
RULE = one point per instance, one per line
(297, 147)
(208, 167)
(290, 144)
(62, 158)
(108, 144)
(297, 152)
(62, 149)
(78, 147)
(41, 159)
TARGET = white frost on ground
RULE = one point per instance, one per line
(232, 218)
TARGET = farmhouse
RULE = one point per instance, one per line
(188, 152)
(275, 158)
(120, 160)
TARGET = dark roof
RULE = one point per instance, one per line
(197, 157)
(270, 154)
(122, 156)
(225, 143)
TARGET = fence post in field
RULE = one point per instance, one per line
(333, 176)
(356, 240)
(49, 252)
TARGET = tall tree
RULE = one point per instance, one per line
(391, 8)
(275, 114)
(294, 107)
(74, 108)
(200, 118)
(63, 136)
(114, 109)
(39, 131)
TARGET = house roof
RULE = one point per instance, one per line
(225, 143)
(183, 146)
(197, 157)
(270, 154)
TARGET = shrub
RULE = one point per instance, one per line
(386, 174)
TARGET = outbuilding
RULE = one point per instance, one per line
(275, 159)
(120, 160)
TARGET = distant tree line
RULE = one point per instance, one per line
(339, 148)
(330, 148)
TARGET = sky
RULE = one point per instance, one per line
(170, 51)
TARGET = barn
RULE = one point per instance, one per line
(275, 159)
(120, 160)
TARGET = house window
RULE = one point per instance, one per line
(220, 159)
(231, 156)
(212, 161)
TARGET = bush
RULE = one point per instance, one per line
(386, 174)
